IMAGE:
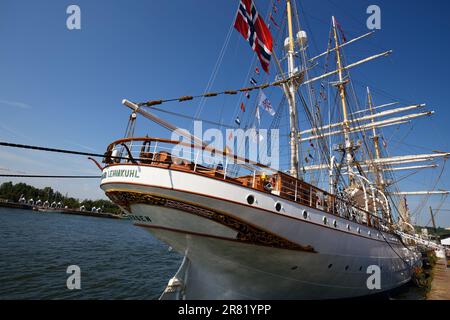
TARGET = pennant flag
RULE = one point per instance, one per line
(274, 22)
(253, 81)
(257, 70)
(254, 135)
(385, 145)
(238, 121)
(258, 115)
(260, 136)
(341, 30)
(253, 28)
(243, 107)
(265, 103)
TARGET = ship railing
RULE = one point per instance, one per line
(180, 155)
(223, 165)
(313, 197)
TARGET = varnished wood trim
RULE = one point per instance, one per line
(246, 232)
(211, 237)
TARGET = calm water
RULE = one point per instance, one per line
(117, 260)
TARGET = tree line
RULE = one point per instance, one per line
(13, 192)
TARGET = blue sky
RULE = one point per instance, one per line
(63, 88)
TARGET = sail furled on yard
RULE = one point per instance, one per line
(253, 28)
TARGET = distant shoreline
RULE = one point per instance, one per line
(22, 206)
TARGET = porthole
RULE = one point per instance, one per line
(294, 268)
(305, 214)
(335, 224)
(325, 220)
(330, 266)
(347, 267)
(278, 206)
(251, 199)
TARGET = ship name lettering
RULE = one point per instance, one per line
(123, 173)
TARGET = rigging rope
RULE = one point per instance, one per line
(438, 210)
(215, 94)
(176, 114)
(215, 70)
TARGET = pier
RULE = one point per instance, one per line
(40, 209)
(440, 288)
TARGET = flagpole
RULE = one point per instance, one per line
(291, 90)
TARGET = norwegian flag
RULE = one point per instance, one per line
(253, 28)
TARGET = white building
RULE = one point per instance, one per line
(446, 242)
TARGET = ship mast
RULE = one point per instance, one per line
(348, 147)
(290, 91)
(376, 143)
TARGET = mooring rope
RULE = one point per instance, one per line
(30, 147)
(37, 148)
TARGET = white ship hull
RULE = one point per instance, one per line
(241, 251)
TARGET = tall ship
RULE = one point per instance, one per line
(322, 225)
